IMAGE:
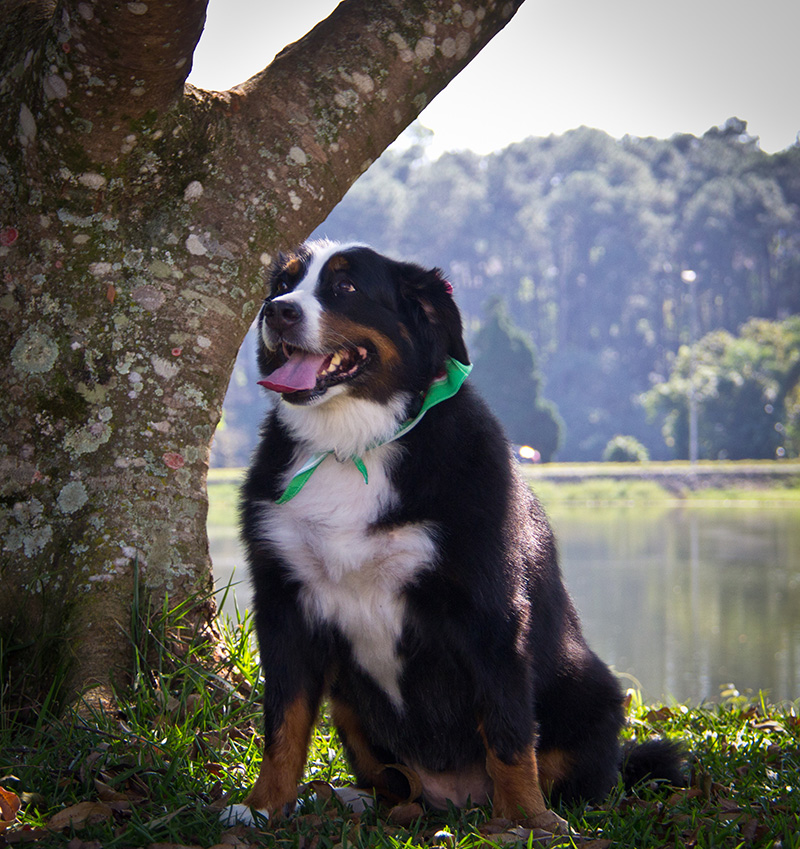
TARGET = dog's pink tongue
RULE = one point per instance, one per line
(297, 373)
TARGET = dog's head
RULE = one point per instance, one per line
(343, 321)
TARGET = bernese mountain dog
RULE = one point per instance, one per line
(402, 569)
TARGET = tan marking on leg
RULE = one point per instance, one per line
(555, 765)
(517, 793)
(283, 761)
(366, 766)
(370, 772)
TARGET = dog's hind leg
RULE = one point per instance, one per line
(393, 781)
(364, 762)
(517, 794)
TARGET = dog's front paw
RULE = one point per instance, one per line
(243, 815)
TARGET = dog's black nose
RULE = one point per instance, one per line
(281, 315)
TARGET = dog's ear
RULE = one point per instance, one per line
(433, 296)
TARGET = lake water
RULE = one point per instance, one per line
(680, 601)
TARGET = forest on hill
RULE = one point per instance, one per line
(602, 261)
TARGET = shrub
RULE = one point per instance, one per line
(625, 449)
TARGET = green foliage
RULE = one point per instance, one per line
(746, 390)
(584, 237)
(507, 375)
(625, 449)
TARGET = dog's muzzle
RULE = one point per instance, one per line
(280, 316)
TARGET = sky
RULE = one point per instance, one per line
(629, 67)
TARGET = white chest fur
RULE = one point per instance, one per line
(352, 574)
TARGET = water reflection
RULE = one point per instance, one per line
(686, 600)
(682, 600)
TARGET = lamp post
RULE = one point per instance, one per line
(690, 278)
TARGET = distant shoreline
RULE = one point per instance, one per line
(714, 483)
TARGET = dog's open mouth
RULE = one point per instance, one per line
(311, 374)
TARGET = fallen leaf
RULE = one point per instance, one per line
(173, 846)
(404, 815)
(495, 826)
(106, 793)
(658, 715)
(729, 806)
(769, 725)
(9, 806)
(215, 769)
(679, 796)
(77, 843)
(236, 836)
(510, 837)
(26, 834)
(321, 788)
(37, 800)
(80, 815)
(634, 803)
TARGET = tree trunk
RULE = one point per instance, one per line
(138, 215)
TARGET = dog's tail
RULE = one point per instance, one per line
(654, 760)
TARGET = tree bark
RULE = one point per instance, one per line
(138, 215)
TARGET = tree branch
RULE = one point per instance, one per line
(329, 104)
(116, 62)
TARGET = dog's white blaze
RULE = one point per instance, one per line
(353, 575)
(321, 252)
(311, 335)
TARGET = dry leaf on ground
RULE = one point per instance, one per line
(9, 806)
(80, 815)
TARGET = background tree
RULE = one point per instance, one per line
(137, 217)
(507, 375)
(743, 385)
(585, 238)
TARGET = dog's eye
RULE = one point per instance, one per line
(281, 286)
(343, 286)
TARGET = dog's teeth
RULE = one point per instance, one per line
(336, 359)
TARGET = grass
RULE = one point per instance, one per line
(600, 491)
(184, 739)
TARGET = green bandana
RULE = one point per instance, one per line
(441, 389)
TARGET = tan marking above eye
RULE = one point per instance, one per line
(293, 266)
(338, 262)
